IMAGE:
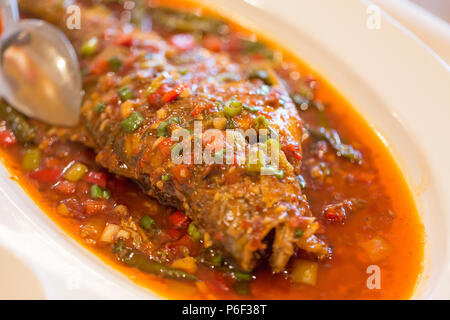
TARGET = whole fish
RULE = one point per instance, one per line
(140, 88)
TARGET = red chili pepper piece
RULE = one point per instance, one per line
(95, 177)
(179, 219)
(48, 175)
(124, 39)
(7, 138)
(173, 94)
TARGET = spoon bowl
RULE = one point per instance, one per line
(39, 72)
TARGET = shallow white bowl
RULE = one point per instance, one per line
(397, 83)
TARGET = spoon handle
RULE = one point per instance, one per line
(10, 13)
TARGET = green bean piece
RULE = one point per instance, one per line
(133, 122)
(332, 137)
(193, 231)
(16, 122)
(186, 22)
(143, 263)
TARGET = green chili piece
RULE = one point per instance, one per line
(193, 231)
(100, 107)
(115, 63)
(146, 222)
(162, 129)
(31, 159)
(133, 122)
(125, 93)
(143, 263)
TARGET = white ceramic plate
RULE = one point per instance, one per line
(398, 84)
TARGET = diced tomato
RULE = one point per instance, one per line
(99, 67)
(173, 94)
(7, 138)
(178, 219)
(293, 150)
(183, 41)
(213, 43)
(165, 146)
(175, 234)
(181, 173)
(198, 109)
(66, 187)
(48, 175)
(124, 39)
(92, 207)
(335, 214)
(95, 177)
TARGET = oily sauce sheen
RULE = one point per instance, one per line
(383, 228)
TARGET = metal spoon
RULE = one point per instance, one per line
(39, 72)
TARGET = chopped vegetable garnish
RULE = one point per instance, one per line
(7, 138)
(299, 233)
(272, 171)
(146, 222)
(90, 47)
(17, 123)
(119, 246)
(125, 93)
(261, 122)
(193, 231)
(115, 63)
(96, 191)
(165, 177)
(232, 108)
(173, 94)
(75, 172)
(162, 129)
(31, 159)
(133, 122)
(261, 75)
(100, 107)
(305, 272)
(332, 137)
(46, 175)
(301, 181)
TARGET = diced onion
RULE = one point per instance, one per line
(109, 233)
(305, 272)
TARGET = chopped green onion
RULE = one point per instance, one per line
(183, 71)
(301, 181)
(133, 122)
(146, 222)
(162, 129)
(261, 122)
(250, 108)
(31, 159)
(119, 246)
(241, 276)
(261, 75)
(299, 233)
(255, 168)
(106, 194)
(232, 108)
(125, 93)
(193, 232)
(89, 47)
(100, 107)
(115, 63)
(96, 191)
(75, 172)
(165, 177)
(216, 260)
(175, 120)
(272, 171)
